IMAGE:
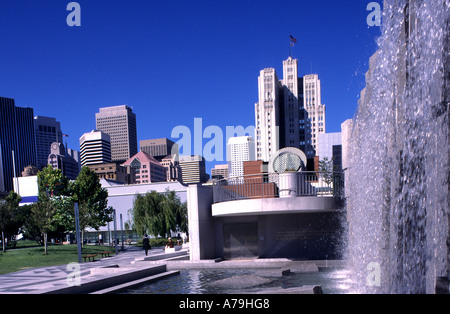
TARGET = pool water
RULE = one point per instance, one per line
(332, 281)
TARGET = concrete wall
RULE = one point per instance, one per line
(201, 224)
(312, 236)
(269, 206)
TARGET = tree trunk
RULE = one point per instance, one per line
(3, 242)
(45, 243)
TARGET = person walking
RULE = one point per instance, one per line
(146, 244)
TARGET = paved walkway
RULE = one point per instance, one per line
(37, 280)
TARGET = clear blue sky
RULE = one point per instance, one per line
(174, 61)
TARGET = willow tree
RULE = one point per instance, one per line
(158, 214)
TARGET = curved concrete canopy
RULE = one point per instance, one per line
(273, 206)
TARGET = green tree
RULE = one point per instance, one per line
(52, 185)
(158, 213)
(43, 218)
(92, 200)
(8, 213)
(326, 170)
(52, 182)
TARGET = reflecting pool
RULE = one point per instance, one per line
(332, 281)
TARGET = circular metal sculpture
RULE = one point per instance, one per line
(288, 159)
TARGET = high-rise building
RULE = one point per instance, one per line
(95, 148)
(289, 112)
(240, 149)
(16, 135)
(47, 131)
(59, 159)
(314, 114)
(159, 148)
(193, 170)
(267, 114)
(119, 123)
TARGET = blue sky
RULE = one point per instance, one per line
(174, 61)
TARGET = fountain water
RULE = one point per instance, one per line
(398, 177)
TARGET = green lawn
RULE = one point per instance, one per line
(22, 258)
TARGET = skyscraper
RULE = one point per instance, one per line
(314, 114)
(267, 115)
(119, 123)
(193, 170)
(159, 148)
(47, 131)
(95, 148)
(240, 149)
(59, 159)
(16, 134)
(289, 112)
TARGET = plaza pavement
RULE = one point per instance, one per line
(42, 279)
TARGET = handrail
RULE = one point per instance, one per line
(273, 185)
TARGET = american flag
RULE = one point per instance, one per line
(293, 40)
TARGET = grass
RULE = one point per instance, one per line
(31, 257)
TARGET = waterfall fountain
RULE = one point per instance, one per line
(398, 177)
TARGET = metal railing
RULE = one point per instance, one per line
(274, 185)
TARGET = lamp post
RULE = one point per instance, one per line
(77, 227)
(115, 233)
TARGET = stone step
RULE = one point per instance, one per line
(136, 283)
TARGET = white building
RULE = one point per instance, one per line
(95, 148)
(240, 149)
(315, 123)
(267, 115)
(289, 113)
(327, 142)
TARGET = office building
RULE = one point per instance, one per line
(59, 159)
(47, 131)
(193, 170)
(314, 114)
(112, 171)
(173, 170)
(330, 147)
(240, 149)
(95, 148)
(219, 172)
(146, 169)
(289, 112)
(119, 123)
(159, 148)
(267, 114)
(16, 135)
